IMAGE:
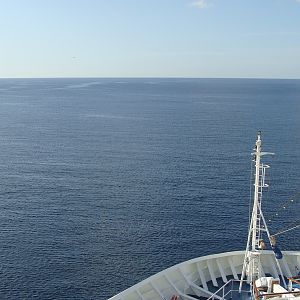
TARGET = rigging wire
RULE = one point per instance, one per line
(290, 226)
(291, 201)
(284, 209)
(286, 230)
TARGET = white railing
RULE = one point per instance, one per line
(227, 289)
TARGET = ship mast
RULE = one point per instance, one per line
(252, 265)
(257, 196)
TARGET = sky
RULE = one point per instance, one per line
(150, 38)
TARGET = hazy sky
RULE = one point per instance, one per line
(150, 38)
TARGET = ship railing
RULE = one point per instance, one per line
(228, 290)
(294, 280)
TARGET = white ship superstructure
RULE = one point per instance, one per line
(255, 273)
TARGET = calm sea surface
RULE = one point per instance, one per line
(105, 182)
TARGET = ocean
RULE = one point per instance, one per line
(105, 182)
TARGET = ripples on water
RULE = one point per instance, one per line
(105, 182)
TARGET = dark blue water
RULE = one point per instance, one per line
(107, 181)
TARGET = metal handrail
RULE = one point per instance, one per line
(222, 288)
(295, 279)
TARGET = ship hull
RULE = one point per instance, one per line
(202, 276)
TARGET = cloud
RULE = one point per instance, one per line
(202, 3)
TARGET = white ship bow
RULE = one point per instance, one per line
(254, 273)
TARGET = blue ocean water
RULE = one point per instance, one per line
(105, 182)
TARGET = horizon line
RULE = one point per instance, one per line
(150, 77)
